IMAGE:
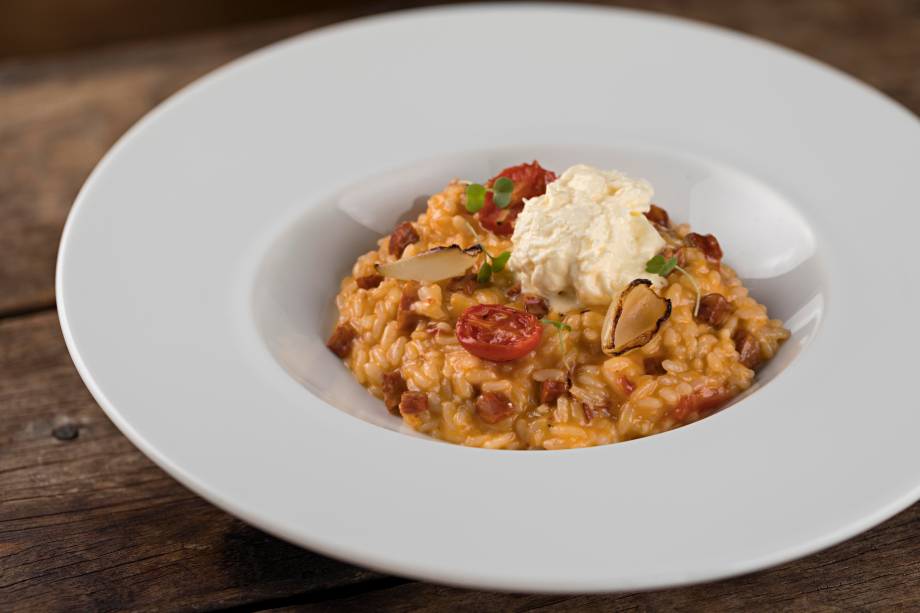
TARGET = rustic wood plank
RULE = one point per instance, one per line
(26, 29)
(58, 116)
(88, 523)
(875, 41)
(878, 571)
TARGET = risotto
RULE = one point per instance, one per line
(530, 344)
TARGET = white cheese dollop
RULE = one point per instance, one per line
(585, 239)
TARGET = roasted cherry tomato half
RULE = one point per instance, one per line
(498, 333)
(529, 182)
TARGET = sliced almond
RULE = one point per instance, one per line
(634, 318)
(434, 265)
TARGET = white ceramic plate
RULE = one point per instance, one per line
(199, 264)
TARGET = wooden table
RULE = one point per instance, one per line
(88, 523)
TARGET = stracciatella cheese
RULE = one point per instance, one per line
(586, 238)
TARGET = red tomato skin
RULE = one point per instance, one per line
(522, 337)
(530, 181)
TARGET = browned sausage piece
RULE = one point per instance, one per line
(369, 281)
(653, 366)
(535, 305)
(700, 402)
(340, 341)
(413, 403)
(748, 348)
(551, 390)
(658, 215)
(714, 309)
(393, 387)
(466, 284)
(590, 410)
(403, 235)
(707, 244)
(406, 318)
(492, 407)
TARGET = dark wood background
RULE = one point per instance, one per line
(40, 27)
(88, 523)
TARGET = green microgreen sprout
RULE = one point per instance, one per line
(485, 273)
(561, 329)
(499, 261)
(501, 194)
(501, 191)
(659, 265)
(492, 264)
(475, 197)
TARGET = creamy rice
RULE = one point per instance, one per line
(689, 369)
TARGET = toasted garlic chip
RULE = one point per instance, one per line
(434, 265)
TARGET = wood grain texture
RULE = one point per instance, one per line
(26, 29)
(88, 523)
(878, 571)
(59, 116)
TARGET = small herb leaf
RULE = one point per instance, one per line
(561, 328)
(658, 265)
(503, 185)
(653, 265)
(501, 199)
(475, 197)
(499, 261)
(559, 325)
(485, 273)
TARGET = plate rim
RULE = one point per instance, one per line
(362, 558)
